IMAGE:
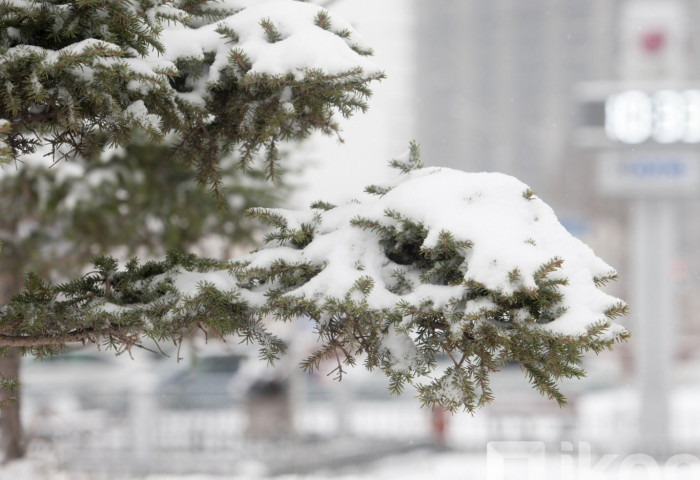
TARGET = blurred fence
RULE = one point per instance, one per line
(136, 434)
(141, 437)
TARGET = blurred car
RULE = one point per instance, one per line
(208, 382)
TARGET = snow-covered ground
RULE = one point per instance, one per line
(418, 465)
(78, 430)
(421, 465)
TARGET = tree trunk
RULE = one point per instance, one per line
(11, 435)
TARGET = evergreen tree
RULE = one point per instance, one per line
(470, 266)
(107, 122)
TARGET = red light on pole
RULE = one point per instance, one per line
(653, 42)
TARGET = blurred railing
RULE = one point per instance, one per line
(136, 434)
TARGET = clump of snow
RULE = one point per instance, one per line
(402, 349)
(304, 45)
(138, 112)
(82, 47)
(507, 229)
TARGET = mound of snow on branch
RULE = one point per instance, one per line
(507, 229)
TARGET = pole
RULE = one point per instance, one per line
(654, 227)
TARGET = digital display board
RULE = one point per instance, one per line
(661, 116)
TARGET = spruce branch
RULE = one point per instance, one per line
(273, 35)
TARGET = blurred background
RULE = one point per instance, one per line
(595, 105)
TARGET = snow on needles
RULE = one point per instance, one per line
(302, 46)
(507, 228)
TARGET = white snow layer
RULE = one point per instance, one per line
(303, 46)
(507, 231)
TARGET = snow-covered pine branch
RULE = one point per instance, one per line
(76, 74)
(439, 263)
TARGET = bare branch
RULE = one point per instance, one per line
(89, 335)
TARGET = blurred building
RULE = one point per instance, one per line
(495, 80)
(496, 88)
